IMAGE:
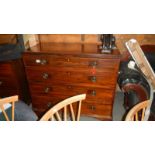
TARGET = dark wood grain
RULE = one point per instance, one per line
(68, 60)
(93, 93)
(13, 80)
(93, 108)
(101, 111)
(90, 76)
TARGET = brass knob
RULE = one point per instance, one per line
(68, 73)
(47, 89)
(43, 62)
(93, 78)
(38, 61)
(49, 104)
(45, 76)
(92, 107)
(93, 92)
(69, 87)
(68, 59)
(93, 63)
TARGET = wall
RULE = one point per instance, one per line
(143, 39)
(120, 39)
(7, 38)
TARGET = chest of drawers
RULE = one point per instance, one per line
(54, 76)
(13, 80)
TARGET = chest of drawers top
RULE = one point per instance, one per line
(84, 50)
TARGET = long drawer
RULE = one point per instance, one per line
(68, 61)
(68, 75)
(41, 104)
(45, 102)
(104, 96)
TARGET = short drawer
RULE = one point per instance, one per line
(97, 110)
(104, 96)
(68, 61)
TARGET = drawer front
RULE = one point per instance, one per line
(7, 82)
(69, 61)
(8, 86)
(66, 75)
(105, 96)
(97, 110)
(41, 105)
(7, 77)
(6, 69)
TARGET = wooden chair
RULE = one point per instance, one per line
(59, 111)
(5, 101)
(137, 113)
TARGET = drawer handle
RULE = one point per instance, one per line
(68, 73)
(1, 82)
(47, 90)
(49, 104)
(68, 59)
(45, 76)
(92, 107)
(93, 63)
(42, 62)
(92, 92)
(93, 78)
(69, 87)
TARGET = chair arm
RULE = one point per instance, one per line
(134, 86)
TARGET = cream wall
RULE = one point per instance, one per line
(31, 40)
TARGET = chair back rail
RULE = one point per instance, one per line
(4, 101)
(137, 113)
(55, 113)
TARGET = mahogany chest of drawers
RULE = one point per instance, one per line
(54, 75)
